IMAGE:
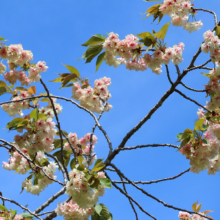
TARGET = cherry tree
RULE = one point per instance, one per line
(41, 149)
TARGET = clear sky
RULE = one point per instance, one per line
(54, 31)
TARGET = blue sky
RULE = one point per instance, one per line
(54, 31)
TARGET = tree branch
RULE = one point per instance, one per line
(192, 100)
(18, 204)
(58, 125)
(153, 181)
(194, 90)
(149, 145)
(153, 197)
(50, 200)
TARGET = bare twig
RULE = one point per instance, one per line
(192, 100)
(149, 145)
(209, 11)
(18, 204)
(130, 201)
(194, 90)
(58, 125)
(45, 213)
(168, 74)
(202, 66)
(153, 197)
(50, 200)
(129, 197)
(153, 181)
(59, 165)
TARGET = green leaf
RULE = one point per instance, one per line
(105, 182)
(105, 212)
(23, 123)
(13, 213)
(199, 124)
(98, 165)
(14, 123)
(72, 69)
(162, 33)
(42, 116)
(92, 52)
(80, 159)
(3, 208)
(99, 60)
(205, 141)
(26, 215)
(3, 90)
(2, 84)
(179, 136)
(146, 34)
(34, 114)
(20, 89)
(2, 39)
(95, 39)
(69, 78)
(206, 74)
(98, 209)
(217, 30)
(73, 163)
(184, 142)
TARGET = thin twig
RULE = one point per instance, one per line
(192, 100)
(168, 75)
(130, 201)
(149, 145)
(153, 181)
(59, 165)
(194, 90)
(45, 213)
(50, 200)
(209, 11)
(153, 197)
(129, 197)
(18, 204)
(58, 125)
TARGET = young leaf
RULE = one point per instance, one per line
(194, 206)
(98, 209)
(206, 74)
(95, 39)
(32, 90)
(199, 124)
(162, 33)
(73, 163)
(99, 60)
(34, 114)
(3, 208)
(80, 159)
(68, 78)
(2, 84)
(92, 52)
(72, 69)
(105, 182)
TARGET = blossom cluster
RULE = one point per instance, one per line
(187, 216)
(18, 163)
(39, 137)
(90, 98)
(82, 194)
(15, 108)
(17, 57)
(43, 180)
(9, 215)
(211, 44)
(179, 10)
(83, 197)
(71, 211)
(204, 154)
(81, 146)
(128, 52)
